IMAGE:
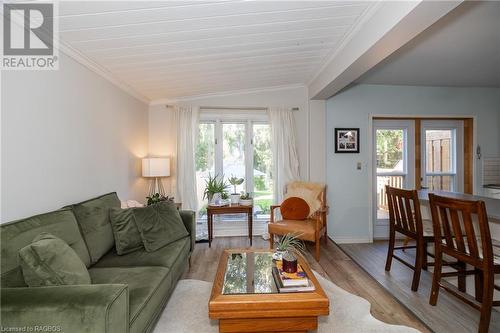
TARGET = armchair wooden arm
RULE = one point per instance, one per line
(273, 207)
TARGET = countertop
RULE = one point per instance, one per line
(492, 205)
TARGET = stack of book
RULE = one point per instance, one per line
(291, 282)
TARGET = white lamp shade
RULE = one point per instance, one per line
(156, 167)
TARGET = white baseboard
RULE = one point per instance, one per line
(347, 240)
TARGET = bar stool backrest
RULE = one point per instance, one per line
(453, 222)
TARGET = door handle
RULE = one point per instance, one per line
(424, 188)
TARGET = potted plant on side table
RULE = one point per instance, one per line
(235, 196)
(215, 188)
(246, 199)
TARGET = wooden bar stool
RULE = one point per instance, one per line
(405, 218)
(455, 236)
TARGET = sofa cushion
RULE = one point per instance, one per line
(49, 261)
(127, 236)
(17, 234)
(165, 256)
(148, 289)
(159, 225)
(93, 217)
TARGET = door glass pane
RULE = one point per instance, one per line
(262, 176)
(390, 145)
(390, 159)
(439, 151)
(441, 183)
(205, 163)
(382, 181)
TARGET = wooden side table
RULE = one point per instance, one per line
(229, 209)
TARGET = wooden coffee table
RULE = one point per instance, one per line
(253, 304)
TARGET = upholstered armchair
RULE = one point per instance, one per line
(313, 226)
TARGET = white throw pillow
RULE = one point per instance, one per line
(130, 204)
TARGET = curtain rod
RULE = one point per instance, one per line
(250, 108)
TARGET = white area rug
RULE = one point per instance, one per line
(187, 311)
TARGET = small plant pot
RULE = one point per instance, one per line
(235, 199)
(289, 266)
(246, 202)
(216, 199)
(278, 254)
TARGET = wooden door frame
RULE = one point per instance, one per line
(469, 165)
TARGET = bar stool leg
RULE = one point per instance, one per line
(436, 276)
(487, 302)
(390, 250)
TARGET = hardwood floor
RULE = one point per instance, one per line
(334, 264)
(449, 315)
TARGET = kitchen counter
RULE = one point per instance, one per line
(492, 205)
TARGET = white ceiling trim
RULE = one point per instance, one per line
(162, 101)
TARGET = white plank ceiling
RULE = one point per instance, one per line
(172, 49)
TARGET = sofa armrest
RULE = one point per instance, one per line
(189, 220)
(98, 308)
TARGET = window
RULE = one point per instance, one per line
(236, 145)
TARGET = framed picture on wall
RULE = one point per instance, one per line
(346, 140)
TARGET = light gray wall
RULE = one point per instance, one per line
(348, 188)
(68, 135)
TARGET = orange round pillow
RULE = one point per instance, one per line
(294, 208)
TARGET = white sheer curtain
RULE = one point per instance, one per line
(285, 158)
(186, 118)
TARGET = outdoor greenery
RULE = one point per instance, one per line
(204, 155)
(389, 148)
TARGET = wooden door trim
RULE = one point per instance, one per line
(418, 154)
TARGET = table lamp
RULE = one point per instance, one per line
(156, 168)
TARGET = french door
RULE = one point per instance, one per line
(393, 158)
(441, 165)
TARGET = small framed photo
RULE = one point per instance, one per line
(346, 140)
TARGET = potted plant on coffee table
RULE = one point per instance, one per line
(235, 196)
(214, 188)
(287, 249)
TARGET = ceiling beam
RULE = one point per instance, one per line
(388, 27)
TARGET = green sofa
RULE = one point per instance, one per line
(128, 292)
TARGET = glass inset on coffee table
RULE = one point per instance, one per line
(249, 273)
